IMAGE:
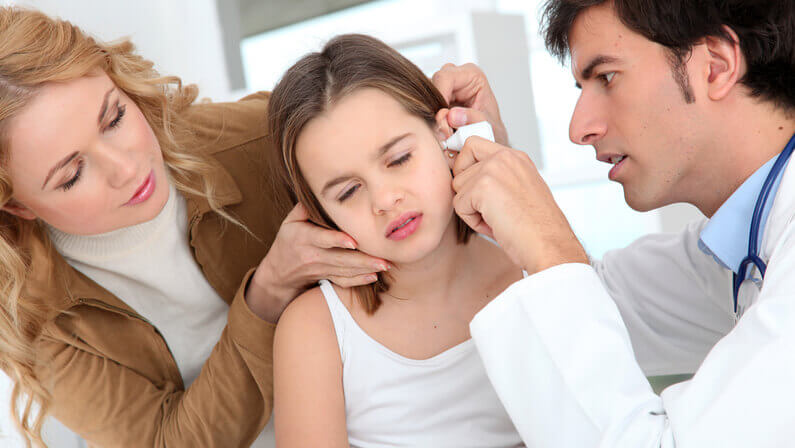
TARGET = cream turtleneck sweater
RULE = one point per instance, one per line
(151, 268)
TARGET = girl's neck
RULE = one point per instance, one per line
(434, 275)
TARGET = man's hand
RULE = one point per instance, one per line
(467, 86)
(500, 193)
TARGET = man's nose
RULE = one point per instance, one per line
(588, 122)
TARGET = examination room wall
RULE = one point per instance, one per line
(199, 41)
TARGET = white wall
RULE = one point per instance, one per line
(182, 37)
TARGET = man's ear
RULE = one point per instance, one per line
(726, 64)
(17, 209)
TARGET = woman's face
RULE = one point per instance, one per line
(380, 174)
(83, 158)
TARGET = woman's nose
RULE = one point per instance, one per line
(120, 165)
(588, 122)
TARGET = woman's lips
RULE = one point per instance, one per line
(145, 191)
(404, 226)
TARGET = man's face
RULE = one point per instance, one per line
(633, 111)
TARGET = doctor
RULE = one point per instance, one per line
(691, 102)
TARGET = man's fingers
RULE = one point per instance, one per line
(471, 217)
(349, 282)
(445, 80)
(476, 149)
(461, 116)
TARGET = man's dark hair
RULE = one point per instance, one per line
(765, 28)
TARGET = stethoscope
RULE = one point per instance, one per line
(752, 258)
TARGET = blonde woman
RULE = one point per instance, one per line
(143, 263)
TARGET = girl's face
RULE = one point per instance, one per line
(83, 158)
(380, 174)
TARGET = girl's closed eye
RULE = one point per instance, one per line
(400, 160)
(348, 193)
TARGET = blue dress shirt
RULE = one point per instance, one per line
(725, 236)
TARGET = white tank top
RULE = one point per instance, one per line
(391, 400)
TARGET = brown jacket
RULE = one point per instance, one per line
(111, 375)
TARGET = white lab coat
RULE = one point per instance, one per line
(559, 354)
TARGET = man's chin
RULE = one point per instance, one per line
(639, 203)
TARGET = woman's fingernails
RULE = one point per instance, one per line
(381, 267)
(349, 245)
(371, 278)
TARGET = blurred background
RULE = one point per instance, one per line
(234, 47)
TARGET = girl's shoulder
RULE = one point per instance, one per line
(308, 318)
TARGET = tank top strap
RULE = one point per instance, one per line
(340, 316)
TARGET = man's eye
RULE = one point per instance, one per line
(607, 77)
(348, 193)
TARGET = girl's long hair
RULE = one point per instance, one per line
(311, 86)
(35, 50)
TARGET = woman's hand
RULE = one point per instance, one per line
(302, 254)
(466, 85)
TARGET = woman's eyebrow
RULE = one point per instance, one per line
(104, 108)
(58, 166)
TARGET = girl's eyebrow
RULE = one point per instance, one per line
(388, 145)
(381, 151)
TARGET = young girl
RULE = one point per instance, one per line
(390, 364)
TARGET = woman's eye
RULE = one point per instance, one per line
(400, 161)
(119, 115)
(348, 193)
(71, 182)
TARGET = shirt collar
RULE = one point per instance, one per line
(725, 236)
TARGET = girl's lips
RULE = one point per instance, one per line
(145, 191)
(408, 228)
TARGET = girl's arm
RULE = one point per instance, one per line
(308, 397)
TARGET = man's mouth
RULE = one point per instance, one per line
(615, 160)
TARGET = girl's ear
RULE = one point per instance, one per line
(17, 209)
(443, 129)
(450, 157)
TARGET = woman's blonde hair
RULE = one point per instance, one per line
(311, 86)
(35, 50)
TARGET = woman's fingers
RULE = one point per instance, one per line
(349, 282)
(328, 239)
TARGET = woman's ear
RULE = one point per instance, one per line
(725, 64)
(15, 208)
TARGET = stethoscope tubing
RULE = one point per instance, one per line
(756, 219)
